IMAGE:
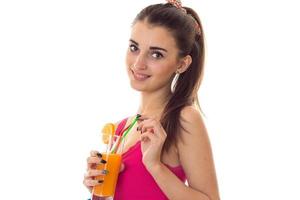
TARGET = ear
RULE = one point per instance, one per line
(184, 64)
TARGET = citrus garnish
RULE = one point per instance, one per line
(107, 130)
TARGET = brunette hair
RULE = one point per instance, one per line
(189, 42)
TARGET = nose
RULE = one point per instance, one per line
(140, 63)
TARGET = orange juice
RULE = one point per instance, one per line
(107, 188)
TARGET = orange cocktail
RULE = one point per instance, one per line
(107, 188)
(111, 147)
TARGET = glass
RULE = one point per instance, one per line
(111, 148)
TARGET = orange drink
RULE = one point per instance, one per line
(111, 147)
(107, 188)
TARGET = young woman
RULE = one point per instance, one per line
(169, 145)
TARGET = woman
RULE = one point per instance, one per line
(169, 146)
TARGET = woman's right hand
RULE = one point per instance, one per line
(93, 160)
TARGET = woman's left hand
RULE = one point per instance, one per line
(153, 137)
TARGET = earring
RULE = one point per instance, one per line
(174, 81)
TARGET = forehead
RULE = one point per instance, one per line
(152, 35)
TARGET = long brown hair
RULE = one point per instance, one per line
(189, 42)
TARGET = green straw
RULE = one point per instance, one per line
(131, 125)
(126, 132)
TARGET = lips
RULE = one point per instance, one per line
(139, 76)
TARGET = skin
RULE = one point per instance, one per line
(193, 152)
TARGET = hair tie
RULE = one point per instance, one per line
(178, 4)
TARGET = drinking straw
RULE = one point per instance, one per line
(131, 125)
(126, 132)
(116, 145)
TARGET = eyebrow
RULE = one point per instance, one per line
(152, 48)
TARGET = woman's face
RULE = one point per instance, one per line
(152, 57)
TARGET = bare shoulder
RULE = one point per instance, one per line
(192, 121)
(190, 113)
(195, 153)
(193, 133)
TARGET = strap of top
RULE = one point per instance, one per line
(121, 126)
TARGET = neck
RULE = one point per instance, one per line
(153, 103)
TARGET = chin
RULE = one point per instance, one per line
(138, 87)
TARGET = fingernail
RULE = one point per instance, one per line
(99, 155)
(103, 161)
(100, 181)
(104, 172)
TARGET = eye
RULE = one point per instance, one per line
(133, 48)
(157, 55)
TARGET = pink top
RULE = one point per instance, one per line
(135, 182)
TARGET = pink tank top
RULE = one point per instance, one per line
(135, 182)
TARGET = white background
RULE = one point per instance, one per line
(62, 76)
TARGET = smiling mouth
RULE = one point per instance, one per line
(140, 77)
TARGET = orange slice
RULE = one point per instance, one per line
(108, 129)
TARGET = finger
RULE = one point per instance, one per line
(91, 166)
(147, 128)
(95, 172)
(92, 162)
(91, 182)
(88, 187)
(154, 126)
(93, 153)
(157, 128)
(143, 117)
(96, 153)
(95, 160)
(143, 126)
(147, 136)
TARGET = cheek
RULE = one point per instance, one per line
(129, 59)
(163, 69)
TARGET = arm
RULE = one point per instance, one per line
(172, 187)
(196, 159)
